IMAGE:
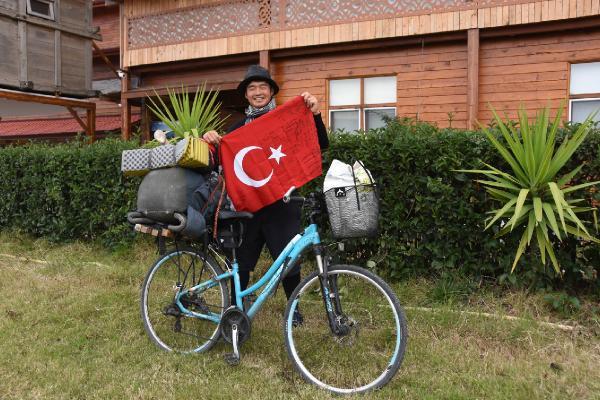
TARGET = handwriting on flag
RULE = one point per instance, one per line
(264, 158)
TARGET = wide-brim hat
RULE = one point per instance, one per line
(257, 73)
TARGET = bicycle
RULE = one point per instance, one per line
(353, 335)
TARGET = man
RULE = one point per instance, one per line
(276, 224)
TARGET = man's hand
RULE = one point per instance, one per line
(311, 102)
(212, 137)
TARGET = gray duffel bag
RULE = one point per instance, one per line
(173, 196)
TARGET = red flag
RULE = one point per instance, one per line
(264, 158)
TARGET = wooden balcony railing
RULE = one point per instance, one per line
(241, 17)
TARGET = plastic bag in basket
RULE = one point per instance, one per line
(352, 201)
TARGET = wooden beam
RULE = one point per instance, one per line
(212, 62)
(78, 119)
(264, 59)
(48, 24)
(45, 99)
(162, 91)
(542, 27)
(125, 108)
(145, 121)
(22, 37)
(369, 44)
(57, 61)
(106, 60)
(472, 77)
(91, 124)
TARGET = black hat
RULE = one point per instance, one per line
(257, 73)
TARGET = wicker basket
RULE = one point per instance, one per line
(353, 211)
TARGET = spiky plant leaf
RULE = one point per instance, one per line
(189, 117)
(532, 194)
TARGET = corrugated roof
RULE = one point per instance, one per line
(45, 126)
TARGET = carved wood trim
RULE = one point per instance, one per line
(231, 18)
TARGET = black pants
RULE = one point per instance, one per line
(274, 225)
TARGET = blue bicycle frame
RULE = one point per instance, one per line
(269, 280)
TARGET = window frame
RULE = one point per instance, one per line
(580, 97)
(50, 3)
(364, 112)
(361, 106)
(577, 99)
(332, 110)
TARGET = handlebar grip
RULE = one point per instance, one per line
(286, 196)
(296, 198)
(182, 222)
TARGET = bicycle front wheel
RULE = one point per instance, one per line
(371, 348)
(165, 323)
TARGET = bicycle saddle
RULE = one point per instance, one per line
(226, 215)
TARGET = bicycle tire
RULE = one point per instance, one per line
(380, 331)
(181, 333)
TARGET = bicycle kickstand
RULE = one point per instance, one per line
(233, 358)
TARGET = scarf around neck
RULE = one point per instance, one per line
(252, 112)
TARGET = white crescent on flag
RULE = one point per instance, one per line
(242, 175)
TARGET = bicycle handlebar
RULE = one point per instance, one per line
(288, 194)
(136, 217)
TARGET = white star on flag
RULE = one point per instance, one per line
(276, 154)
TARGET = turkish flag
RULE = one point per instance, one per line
(263, 159)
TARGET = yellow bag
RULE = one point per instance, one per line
(195, 153)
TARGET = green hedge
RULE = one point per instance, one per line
(431, 218)
(68, 191)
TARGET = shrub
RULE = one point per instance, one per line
(432, 218)
(68, 191)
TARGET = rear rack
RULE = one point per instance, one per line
(158, 232)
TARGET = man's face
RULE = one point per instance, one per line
(259, 94)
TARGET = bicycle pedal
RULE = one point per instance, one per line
(231, 359)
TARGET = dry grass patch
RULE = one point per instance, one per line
(70, 328)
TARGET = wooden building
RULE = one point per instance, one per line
(48, 59)
(442, 61)
(46, 47)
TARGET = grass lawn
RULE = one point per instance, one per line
(70, 329)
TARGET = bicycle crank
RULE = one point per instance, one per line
(235, 328)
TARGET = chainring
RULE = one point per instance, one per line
(231, 316)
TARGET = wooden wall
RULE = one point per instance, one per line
(107, 18)
(482, 14)
(220, 76)
(432, 79)
(47, 56)
(533, 70)
(9, 62)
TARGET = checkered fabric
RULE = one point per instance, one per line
(135, 162)
(162, 156)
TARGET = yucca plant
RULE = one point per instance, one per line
(533, 196)
(189, 119)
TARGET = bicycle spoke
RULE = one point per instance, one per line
(360, 358)
(172, 274)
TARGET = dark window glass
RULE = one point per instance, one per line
(41, 8)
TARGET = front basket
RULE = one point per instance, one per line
(353, 211)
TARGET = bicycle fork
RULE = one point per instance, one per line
(331, 297)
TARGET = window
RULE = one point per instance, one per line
(584, 91)
(41, 8)
(361, 103)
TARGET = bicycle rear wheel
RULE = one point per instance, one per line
(167, 326)
(370, 352)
